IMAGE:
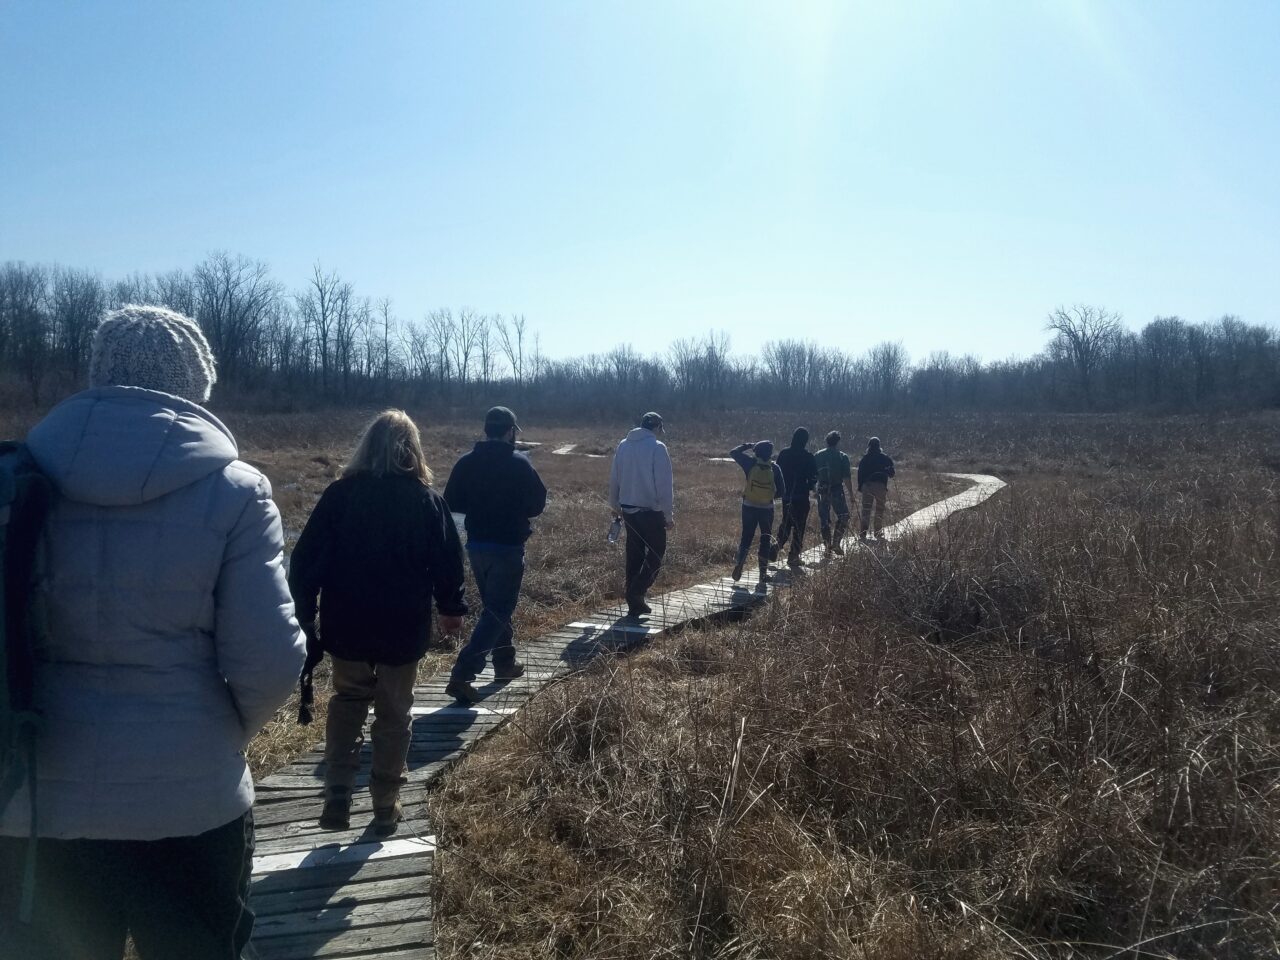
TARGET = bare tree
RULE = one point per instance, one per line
(511, 339)
(323, 306)
(25, 321)
(78, 300)
(1085, 333)
(233, 296)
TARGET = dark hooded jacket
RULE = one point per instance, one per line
(498, 489)
(875, 467)
(799, 469)
(377, 550)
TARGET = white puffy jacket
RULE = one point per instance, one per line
(641, 474)
(171, 638)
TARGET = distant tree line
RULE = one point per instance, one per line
(324, 342)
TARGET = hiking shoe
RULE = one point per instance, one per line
(837, 549)
(737, 572)
(794, 561)
(513, 672)
(637, 613)
(773, 553)
(336, 814)
(386, 818)
(462, 691)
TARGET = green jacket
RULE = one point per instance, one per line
(833, 467)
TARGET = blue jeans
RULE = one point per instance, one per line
(753, 517)
(498, 572)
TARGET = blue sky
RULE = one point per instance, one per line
(940, 173)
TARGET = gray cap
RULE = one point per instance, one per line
(651, 421)
(153, 348)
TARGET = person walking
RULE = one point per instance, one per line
(498, 489)
(379, 546)
(642, 493)
(764, 484)
(168, 640)
(874, 470)
(800, 474)
(834, 481)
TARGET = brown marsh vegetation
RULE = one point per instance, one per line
(1049, 729)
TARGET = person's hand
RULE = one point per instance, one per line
(670, 523)
(450, 625)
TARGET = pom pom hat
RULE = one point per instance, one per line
(152, 348)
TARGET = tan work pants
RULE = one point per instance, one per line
(390, 690)
(873, 493)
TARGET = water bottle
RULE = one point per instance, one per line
(615, 530)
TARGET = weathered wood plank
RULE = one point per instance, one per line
(341, 917)
(360, 832)
(346, 943)
(333, 876)
(317, 898)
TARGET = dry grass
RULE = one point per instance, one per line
(1052, 729)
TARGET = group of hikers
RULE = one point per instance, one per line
(167, 632)
(791, 478)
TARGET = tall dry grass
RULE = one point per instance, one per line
(1051, 729)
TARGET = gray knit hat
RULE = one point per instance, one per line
(153, 348)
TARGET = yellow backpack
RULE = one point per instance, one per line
(759, 491)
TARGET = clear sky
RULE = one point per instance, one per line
(941, 173)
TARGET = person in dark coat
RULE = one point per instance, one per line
(874, 470)
(498, 489)
(379, 547)
(800, 474)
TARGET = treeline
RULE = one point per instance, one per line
(325, 342)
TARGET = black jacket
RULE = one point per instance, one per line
(875, 468)
(799, 470)
(375, 551)
(497, 488)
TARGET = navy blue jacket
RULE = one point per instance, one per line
(499, 491)
(799, 470)
(875, 468)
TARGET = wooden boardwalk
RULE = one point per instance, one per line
(354, 895)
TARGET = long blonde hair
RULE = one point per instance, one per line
(391, 445)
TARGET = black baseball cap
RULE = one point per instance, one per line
(651, 421)
(501, 417)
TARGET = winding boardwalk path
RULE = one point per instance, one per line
(356, 896)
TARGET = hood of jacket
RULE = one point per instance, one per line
(642, 435)
(123, 446)
(491, 450)
(800, 439)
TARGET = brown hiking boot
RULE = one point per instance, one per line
(513, 672)
(336, 814)
(386, 818)
(463, 692)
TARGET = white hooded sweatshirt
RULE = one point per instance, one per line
(640, 478)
